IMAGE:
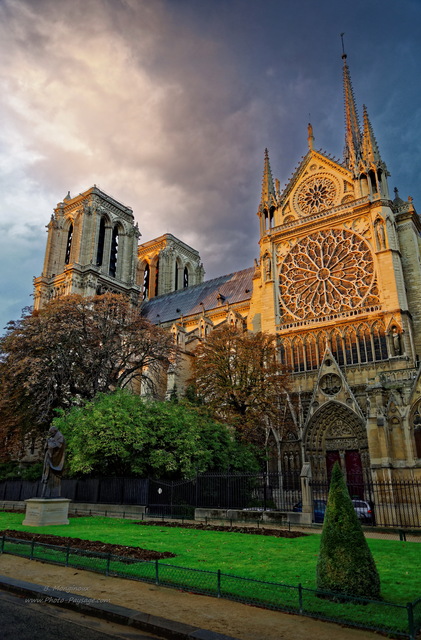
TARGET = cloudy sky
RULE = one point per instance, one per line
(168, 105)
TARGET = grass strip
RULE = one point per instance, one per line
(278, 560)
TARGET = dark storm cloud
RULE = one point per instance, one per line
(168, 106)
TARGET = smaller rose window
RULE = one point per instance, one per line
(330, 384)
(316, 194)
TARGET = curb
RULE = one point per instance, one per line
(114, 613)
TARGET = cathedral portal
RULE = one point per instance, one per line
(336, 433)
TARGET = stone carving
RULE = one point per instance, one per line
(340, 430)
(316, 194)
(282, 249)
(268, 267)
(329, 271)
(396, 340)
(380, 235)
(55, 446)
(341, 444)
(330, 384)
(360, 226)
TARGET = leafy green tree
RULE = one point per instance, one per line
(345, 563)
(122, 434)
(70, 350)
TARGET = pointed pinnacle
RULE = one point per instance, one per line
(268, 190)
(369, 147)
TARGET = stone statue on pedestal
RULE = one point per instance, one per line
(55, 446)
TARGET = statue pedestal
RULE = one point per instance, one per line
(41, 512)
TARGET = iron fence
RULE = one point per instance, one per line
(393, 504)
(383, 504)
(396, 620)
(224, 491)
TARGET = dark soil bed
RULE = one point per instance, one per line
(258, 531)
(89, 545)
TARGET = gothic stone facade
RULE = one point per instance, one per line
(338, 280)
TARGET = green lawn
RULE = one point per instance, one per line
(289, 561)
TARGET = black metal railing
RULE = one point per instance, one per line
(391, 503)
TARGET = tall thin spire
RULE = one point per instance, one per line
(369, 148)
(268, 190)
(352, 125)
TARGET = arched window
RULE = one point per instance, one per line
(366, 349)
(351, 349)
(281, 352)
(379, 340)
(321, 345)
(69, 244)
(298, 354)
(185, 278)
(337, 348)
(101, 240)
(176, 276)
(311, 353)
(114, 252)
(146, 275)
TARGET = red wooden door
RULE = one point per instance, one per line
(354, 474)
(331, 458)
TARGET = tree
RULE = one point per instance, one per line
(345, 563)
(72, 349)
(121, 434)
(238, 375)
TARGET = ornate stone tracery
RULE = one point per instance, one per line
(335, 427)
(316, 194)
(329, 271)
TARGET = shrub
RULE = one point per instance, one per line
(345, 563)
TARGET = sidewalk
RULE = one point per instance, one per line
(186, 615)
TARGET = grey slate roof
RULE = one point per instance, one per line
(234, 287)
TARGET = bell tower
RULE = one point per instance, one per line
(91, 248)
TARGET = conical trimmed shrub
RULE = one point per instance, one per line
(345, 563)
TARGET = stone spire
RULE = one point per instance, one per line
(369, 148)
(268, 198)
(352, 125)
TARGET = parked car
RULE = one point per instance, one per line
(364, 511)
(319, 507)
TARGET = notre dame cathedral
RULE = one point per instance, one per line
(338, 280)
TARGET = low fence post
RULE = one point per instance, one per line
(219, 583)
(156, 572)
(67, 555)
(2, 543)
(411, 628)
(107, 570)
(300, 597)
(31, 557)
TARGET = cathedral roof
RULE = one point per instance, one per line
(229, 289)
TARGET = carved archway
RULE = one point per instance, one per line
(336, 432)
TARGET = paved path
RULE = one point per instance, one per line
(221, 616)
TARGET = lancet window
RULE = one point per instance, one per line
(69, 244)
(146, 276)
(114, 252)
(101, 242)
(352, 346)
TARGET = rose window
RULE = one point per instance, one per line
(316, 194)
(327, 272)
